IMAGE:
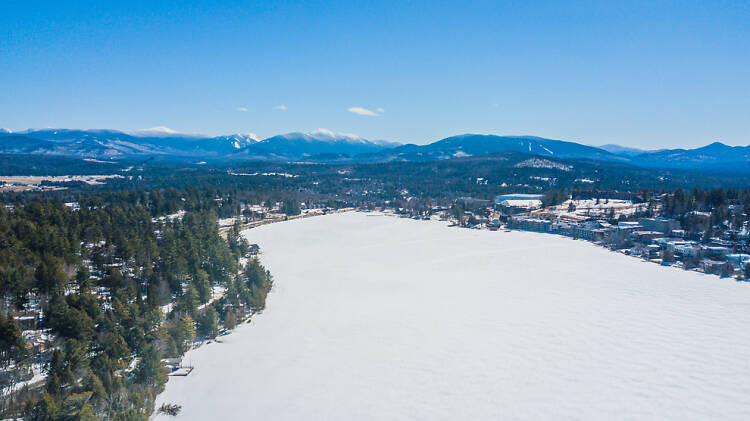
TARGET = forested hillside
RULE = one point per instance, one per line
(112, 288)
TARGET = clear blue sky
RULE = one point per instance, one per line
(644, 74)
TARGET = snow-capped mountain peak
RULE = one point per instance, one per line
(156, 130)
(242, 140)
(329, 135)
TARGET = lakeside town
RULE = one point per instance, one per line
(621, 225)
(617, 224)
(633, 228)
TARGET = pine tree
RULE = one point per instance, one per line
(50, 276)
(150, 370)
(83, 279)
(230, 319)
(208, 323)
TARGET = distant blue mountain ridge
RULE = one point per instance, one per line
(326, 146)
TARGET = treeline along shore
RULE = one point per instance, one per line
(98, 295)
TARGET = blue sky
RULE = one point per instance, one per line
(642, 74)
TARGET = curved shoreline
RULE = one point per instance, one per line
(499, 335)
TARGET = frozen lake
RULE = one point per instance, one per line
(380, 318)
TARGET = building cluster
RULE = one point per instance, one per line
(620, 225)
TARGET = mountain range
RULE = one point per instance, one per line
(113, 144)
(476, 145)
(326, 146)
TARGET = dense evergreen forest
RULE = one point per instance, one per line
(54, 165)
(114, 284)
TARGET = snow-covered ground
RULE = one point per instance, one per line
(587, 208)
(38, 375)
(382, 318)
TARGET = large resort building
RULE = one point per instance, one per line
(516, 203)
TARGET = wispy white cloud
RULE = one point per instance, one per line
(281, 107)
(241, 109)
(364, 111)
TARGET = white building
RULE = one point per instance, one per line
(519, 202)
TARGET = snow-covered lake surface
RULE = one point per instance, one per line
(380, 318)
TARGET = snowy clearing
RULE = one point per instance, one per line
(382, 318)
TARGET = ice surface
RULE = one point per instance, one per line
(383, 318)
